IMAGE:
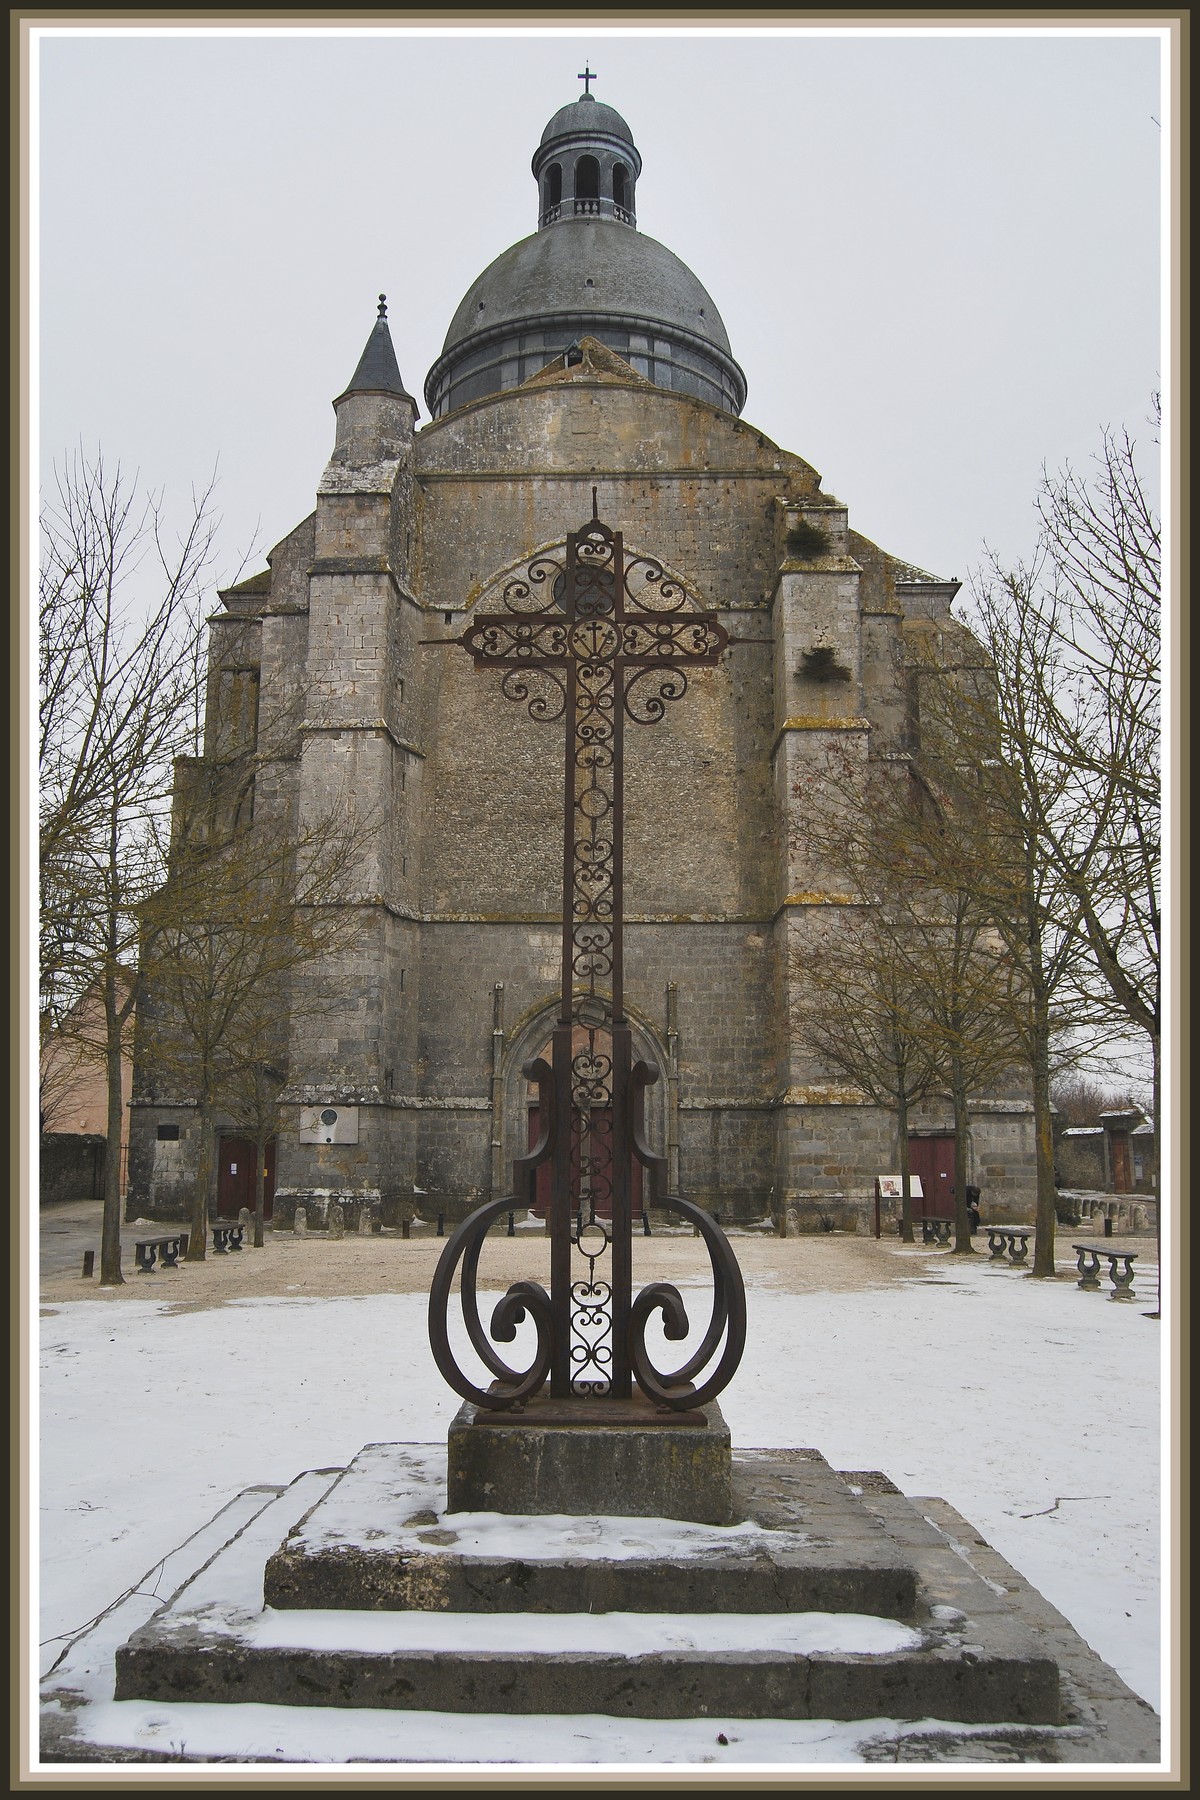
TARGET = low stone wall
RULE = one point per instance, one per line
(856, 1213)
(71, 1166)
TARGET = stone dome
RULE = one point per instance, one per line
(587, 270)
(587, 117)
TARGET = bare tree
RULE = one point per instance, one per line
(118, 668)
(245, 907)
(856, 1008)
(898, 841)
(1079, 1099)
(1075, 641)
(981, 748)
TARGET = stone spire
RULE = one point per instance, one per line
(376, 413)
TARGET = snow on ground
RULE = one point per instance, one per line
(331, 1737)
(1031, 1407)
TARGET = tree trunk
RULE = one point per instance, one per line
(206, 1163)
(260, 1186)
(1156, 1160)
(962, 1224)
(110, 1230)
(906, 1222)
(1043, 1131)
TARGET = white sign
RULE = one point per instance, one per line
(329, 1124)
(890, 1187)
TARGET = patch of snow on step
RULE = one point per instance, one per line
(556, 1634)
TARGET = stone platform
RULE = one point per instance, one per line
(831, 1597)
(670, 1643)
(577, 1456)
(803, 1546)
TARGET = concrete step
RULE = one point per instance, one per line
(381, 1538)
(218, 1580)
(446, 1663)
(956, 1656)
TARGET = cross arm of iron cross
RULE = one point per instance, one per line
(595, 610)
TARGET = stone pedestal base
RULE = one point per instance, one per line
(620, 1457)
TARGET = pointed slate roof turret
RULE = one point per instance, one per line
(378, 372)
(376, 413)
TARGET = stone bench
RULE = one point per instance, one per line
(936, 1231)
(226, 1237)
(1008, 1240)
(166, 1250)
(1089, 1270)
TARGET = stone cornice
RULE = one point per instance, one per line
(812, 722)
(581, 477)
(316, 726)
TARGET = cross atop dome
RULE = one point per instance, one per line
(587, 78)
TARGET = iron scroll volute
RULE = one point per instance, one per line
(523, 1298)
(674, 1389)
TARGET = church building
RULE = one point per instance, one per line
(586, 373)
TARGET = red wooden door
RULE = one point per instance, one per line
(932, 1158)
(235, 1177)
(601, 1173)
(1122, 1170)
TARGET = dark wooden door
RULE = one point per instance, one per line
(1122, 1164)
(601, 1156)
(932, 1158)
(235, 1177)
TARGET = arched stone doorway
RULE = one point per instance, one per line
(590, 1167)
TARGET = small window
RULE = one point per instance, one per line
(554, 184)
(620, 186)
(168, 1134)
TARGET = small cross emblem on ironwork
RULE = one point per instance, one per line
(587, 79)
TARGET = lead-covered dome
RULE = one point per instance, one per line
(587, 116)
(587, 270)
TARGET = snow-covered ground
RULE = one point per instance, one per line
(1033, 1408)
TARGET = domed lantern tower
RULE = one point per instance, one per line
(587, 270)
(586, 165)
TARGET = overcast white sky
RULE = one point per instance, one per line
(937, 257)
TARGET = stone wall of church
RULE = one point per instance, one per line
(457, 889)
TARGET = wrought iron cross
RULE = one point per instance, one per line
(587, 79)
(594, 639)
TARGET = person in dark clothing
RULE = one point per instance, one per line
(973, 1208)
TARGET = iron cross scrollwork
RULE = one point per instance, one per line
(597, 640)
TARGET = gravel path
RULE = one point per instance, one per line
(315, 1265)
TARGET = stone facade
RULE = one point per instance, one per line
(452, 980)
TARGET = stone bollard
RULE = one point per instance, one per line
(336, 1220)
(300, 1220)
(246, 1221)
(89, 1263)
(364, 1220)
